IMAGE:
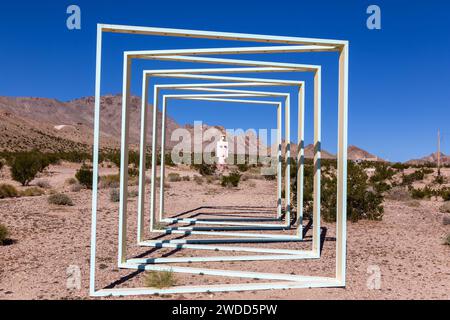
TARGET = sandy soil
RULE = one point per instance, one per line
(407, 246)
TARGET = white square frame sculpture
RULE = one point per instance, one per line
(300, 254)
(265, 67)
(280, 253)
(226, 93)
(300, 282)
(215, 87)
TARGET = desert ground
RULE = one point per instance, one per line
(48, 240)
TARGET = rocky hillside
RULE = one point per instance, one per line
(432, 158)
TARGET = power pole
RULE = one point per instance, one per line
(439, 154)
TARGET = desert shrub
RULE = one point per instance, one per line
(242, 167)
(232, 180)
(269, 177)
(2, 164)
(26, 165)
(363, 201)
(211, 179)
(84, 176)
(110, 181)
(439, 180)
(445, 208)
(114, 195)
(205, 169)
(427, 170)
(445, 194)
(168, 160)
(60, 199)
(421, 193)
(32, 192)
(42, 183)
(4, 234)
(398, 193)
(399, 166)
(173, 177)
(447, 240)
(133, 193)
(186, 178)
(382, 173)
(76, 187)
(133, 172)
(8, 191)
(417, 175)
(160, 279)
(198, 180)
(71, 181)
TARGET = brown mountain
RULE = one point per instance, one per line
(50, 125)
(53, 125)
(355, 153)
(432, 158)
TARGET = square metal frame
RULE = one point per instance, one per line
(300, 282)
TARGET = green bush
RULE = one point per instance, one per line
(133, 172)
(60, 199)
(205, 169)
(439, 180)
(8, 191)
(445, 194)
(232, 180)
(84, 176)
(26, 165)
(423, 193)
(114, 195)
(242, 167)
(4, 234)
(417, 175)
(363, 201)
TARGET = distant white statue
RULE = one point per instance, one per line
(222, 152)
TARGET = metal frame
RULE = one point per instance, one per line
(200, 74)
(266, 66)
(298, 282)
(216, 97)
(204, 87)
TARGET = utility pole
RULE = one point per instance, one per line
(439, 154)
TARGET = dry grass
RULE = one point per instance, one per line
(447, 240)
(8, 191)
(32, 192)
(160, 279)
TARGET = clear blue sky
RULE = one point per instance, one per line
(399, 76)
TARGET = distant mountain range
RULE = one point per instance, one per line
(432, 158)
(51, 125)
